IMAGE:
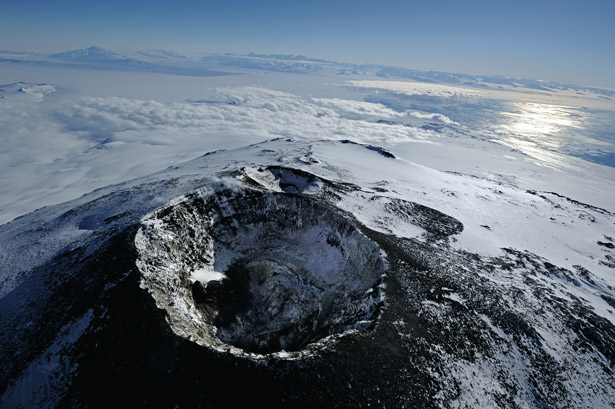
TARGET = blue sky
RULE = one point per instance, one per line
(562, 40)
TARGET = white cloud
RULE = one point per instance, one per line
(419, 88)
(358, 109)
(54, 151)
(439, 117)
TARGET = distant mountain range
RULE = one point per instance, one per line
(161, 54)
(97, 58)
(158, 60)
(98, 55)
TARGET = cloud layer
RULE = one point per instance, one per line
(416, 88)
(54, 151)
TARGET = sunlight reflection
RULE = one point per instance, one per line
(535, 129)
(537, 119)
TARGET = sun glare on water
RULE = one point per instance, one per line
(537, 130)
(535, 120)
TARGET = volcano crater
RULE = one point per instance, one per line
(259, 273)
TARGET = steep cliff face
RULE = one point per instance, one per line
(259, 273)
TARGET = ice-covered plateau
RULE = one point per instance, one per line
(320, 274)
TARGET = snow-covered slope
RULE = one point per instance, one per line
(492, 296)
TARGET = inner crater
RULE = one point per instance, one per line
(259, 273)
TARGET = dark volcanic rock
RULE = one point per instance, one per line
(296, 272)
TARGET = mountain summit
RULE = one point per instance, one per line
(307, 276)
(99, 56)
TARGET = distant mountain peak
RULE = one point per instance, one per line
(93, 51)
(99, 56)
(96, 50)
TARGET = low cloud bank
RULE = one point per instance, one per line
(54, 151)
